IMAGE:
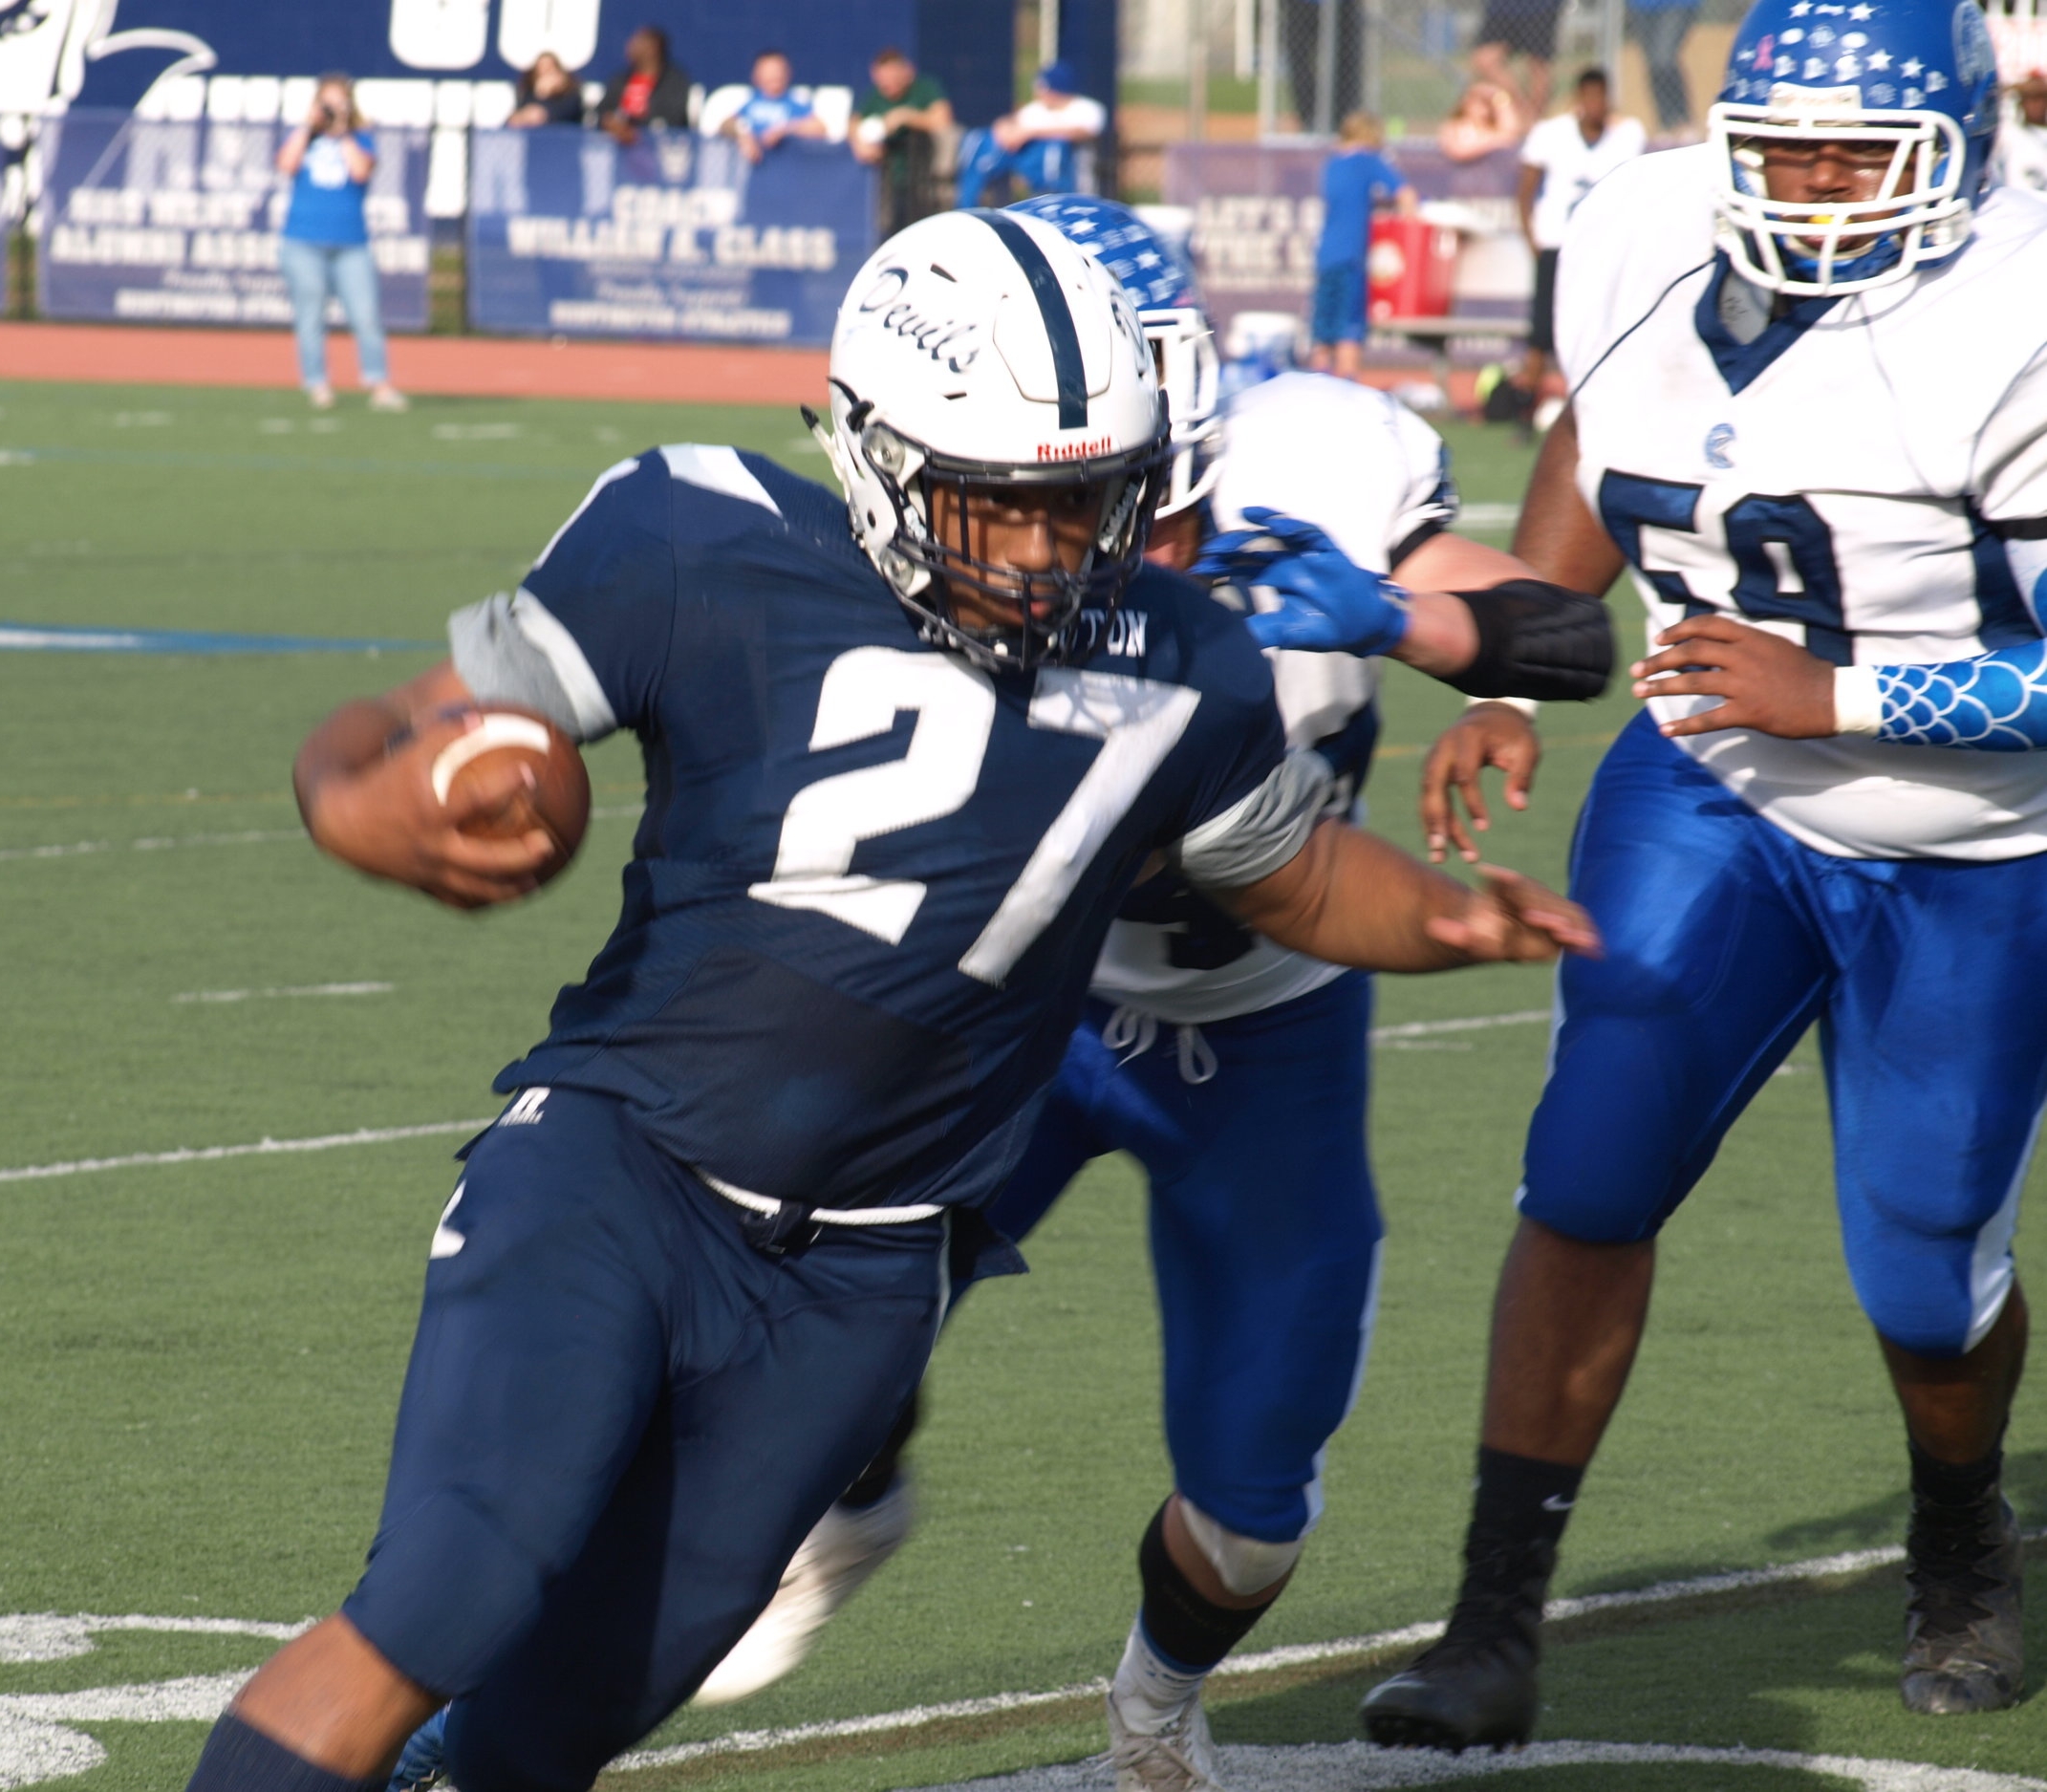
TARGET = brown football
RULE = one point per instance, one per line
(559, 799)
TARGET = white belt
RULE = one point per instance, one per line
(823, 1216)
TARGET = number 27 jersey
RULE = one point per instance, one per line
(1846, 474)
(871, 879)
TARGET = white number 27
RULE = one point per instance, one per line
(1137, 721)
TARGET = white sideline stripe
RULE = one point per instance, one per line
(286, 990)
(1264, 1661)
(160, 843)
(262, 1148)
(1362, 1767)
(378, 1135)
(1488, 515)
(1471, 1024)
(260, 836)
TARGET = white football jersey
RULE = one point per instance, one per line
(1375, 478)
(1836, 477)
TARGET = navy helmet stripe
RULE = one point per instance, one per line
(1066, 365)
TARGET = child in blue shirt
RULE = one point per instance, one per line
(1355, 181)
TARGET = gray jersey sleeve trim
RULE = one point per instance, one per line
(1252, 839)
(512, 650)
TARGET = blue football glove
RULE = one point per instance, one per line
(1326, 604)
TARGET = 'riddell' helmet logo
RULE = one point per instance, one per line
(1075, 450)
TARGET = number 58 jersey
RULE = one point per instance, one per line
(871, 879)
(1846, 473)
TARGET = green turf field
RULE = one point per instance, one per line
(199, 1360)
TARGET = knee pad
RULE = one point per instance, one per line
(1244, 1564)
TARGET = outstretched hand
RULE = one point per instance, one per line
(1327, 604)
(384, 818)
(1514, 919)
(1486, 734)
(1767, 683)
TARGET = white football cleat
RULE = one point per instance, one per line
(844, 1549)
(1178, 1756)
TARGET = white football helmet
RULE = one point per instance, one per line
(975, 350)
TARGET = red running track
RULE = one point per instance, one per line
(470, 367)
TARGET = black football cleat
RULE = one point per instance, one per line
(1964, 1652)
(1476, 1687)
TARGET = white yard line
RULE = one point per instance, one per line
(262, 1148)
(1468, 1024)
(1264, 1661)
(285, 992)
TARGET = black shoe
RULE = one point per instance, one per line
(1478, 1686)
(1964, 1652)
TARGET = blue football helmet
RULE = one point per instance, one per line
(1916, 77)
(1161, 285)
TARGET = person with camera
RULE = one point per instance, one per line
(326, 244)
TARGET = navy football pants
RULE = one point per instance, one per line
(619, 1422)
(1725, 940)
(1265, 1234)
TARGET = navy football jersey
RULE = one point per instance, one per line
(871, 879)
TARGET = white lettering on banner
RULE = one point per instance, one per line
(584, 239)
(697, 207)
(1248, 242)
(440, 34)
(775, 245)
(697, 320)
(567, 28)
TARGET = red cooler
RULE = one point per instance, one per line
(1409, 269)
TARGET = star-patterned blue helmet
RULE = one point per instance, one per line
(1161, 285)
(1915, 78)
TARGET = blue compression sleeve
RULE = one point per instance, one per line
(1994, 703)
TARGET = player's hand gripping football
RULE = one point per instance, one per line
(1327, 604)
(383, 818)
(1770, 684)
(1486, 734)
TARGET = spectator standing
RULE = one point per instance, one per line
(1523, 28)
(326, 244)
(1563, 159)
(1355, 182)
(1488, 117)
(1301, 30)
(1038, 143)
(1661, 27)
(898, 125)
(2021, 153)
(653, 88)
(546, 94)
(771, 114)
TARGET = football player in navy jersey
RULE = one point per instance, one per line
(1233, 1069)
(896, 788)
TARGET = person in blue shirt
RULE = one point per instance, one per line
(1355, 182)
(771, 114)
(907, 749)
(325, 250)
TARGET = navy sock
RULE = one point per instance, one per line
(1520, 1499)
(1954, 1484)
(1188, 1630)
(238, 1758)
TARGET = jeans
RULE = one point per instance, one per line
(1661, 32)
(1045, 165)
(312, 270)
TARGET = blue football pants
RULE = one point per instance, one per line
(1726, 939)
(618, 1423)
(1264, 1232)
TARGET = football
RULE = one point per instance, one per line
(558, 801)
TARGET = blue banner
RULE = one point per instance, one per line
(177, 223)
(572, 234)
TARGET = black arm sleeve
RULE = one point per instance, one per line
(1537, 640)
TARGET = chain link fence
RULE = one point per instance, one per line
(1269, 70)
